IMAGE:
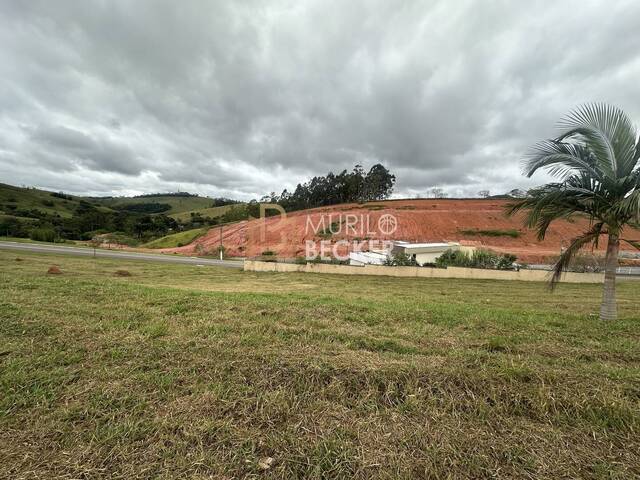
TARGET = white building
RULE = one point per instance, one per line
(427, 252)
(367, 258)
(421, 252)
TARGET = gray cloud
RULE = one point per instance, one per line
(242, 98)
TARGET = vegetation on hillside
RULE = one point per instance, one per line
(178, 202)
(176, 239)
(332, 189)
(178, 371)
(56, 216)
(490, 233)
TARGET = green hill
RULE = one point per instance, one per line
(16, 201)
(27, 212)
(177, 203)
(13, 200)
(212, 212)
(176, 239)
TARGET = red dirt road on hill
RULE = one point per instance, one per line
(417, 221)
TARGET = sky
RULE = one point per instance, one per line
(242, 98)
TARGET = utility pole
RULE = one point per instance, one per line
(221, 242)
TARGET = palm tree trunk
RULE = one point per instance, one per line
(608, 310)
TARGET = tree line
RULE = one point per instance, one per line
(331, 189)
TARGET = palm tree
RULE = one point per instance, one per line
(595, 158)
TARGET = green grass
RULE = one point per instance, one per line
(31, 198)
(201, 372)
(212, 212)
(28, 240)
(176, 239)
(178, 204)
(491, 233)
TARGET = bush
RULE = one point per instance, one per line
(400, 259)
(492, 233)
(479, 259)
(43, 234)
(152, 207)
(61, 195)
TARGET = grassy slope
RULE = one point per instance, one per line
(182, 238)
(28, 198)
(178, 204)
(184, 371)
(205, 212)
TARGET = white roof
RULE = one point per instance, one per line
(369, 255)
(424, 245)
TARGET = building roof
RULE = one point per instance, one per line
(425, 247)
(368, 257)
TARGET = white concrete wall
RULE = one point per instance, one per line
(422, 272)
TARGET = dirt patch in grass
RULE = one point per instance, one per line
(54, 270)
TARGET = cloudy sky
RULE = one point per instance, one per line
(239, 98)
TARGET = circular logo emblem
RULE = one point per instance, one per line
(387, 224)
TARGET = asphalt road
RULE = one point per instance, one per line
(145, 257)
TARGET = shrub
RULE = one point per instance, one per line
(43, 234)
(61, 195)
(492, 233)
(268, 253)
(400, 259)
(479, 259)
(152, 207)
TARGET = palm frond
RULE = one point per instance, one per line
(628, 209)
(560, 159)
(576, 244)
(607, 132)
(550, 202)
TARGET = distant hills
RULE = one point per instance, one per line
(47, 215)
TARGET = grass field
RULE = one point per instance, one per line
(212, 212)
(176, 239)
(31, 198)
(178, 204)
(201, 372)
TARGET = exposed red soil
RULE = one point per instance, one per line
(417, 221)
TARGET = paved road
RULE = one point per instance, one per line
(147, 257)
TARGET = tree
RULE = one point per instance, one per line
(378, 183)
(484, 193)
(595, 158)
(437, 192)
(332, 189)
